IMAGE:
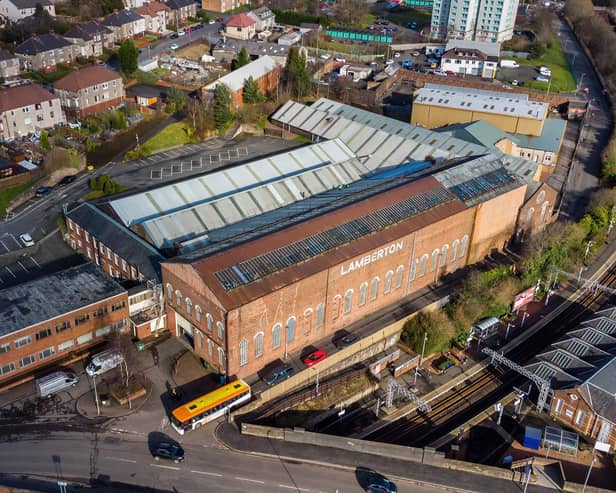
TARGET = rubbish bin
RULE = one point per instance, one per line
(139, 346)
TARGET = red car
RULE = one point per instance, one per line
(315, 357)
(450, 73)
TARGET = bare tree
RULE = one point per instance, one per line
(122, 343)
(350, 12)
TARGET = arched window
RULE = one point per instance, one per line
(243, 352)
(374, 288)
(259, 345)
(198, 313)
(413, 270)
(434, 262)
(363, 291)
(544, 210)
(169, 292)
(199, 338)
(336, 305)
(178, 299)
(188, 307)
(221, 330)
(423, 264)
(291, 329)
(221, 358)
(444, 251)
(210, 347)
(307, 321)
(463, 246)
(388, 278)
(210, 323)
(276, 332)
(348, 301)
(529, 216)
(454, 250)
(399, 274)
(320, 315)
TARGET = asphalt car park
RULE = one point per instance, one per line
(9, 243)
(522, 73)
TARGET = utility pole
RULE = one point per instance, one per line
(509, 326)
(588, 473)
(423, 348)
(98, 409)
(524, 315)
(588, 245)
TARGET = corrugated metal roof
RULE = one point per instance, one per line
(206, 266)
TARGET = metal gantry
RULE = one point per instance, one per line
(541, 383)
(394, 389)
(589, 284)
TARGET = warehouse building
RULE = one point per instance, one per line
(267, 284)
(436, 106)
(44, 320)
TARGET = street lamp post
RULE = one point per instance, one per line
(98, 409)
(423, 348)
(509, 326)
(592, 462)
(524, 315)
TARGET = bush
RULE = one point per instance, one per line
(536, 50)
(435, 325)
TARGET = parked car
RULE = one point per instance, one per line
(278, 374)
(450, 73)
(174, 36)
(542, 78)
(181, 33)
(212, 21)
(40, 191)
(345, 340)
(397, 54)
(514, 82)
(166, 450)
(67, 179)
(26, 239)
(440, 72)
(198, 26)
(220, 19)
(340, 59)
(310, 59)
(315, 357)
(74, 125)
(325, 56)
(174, 46)
(389, 62)
(55, 382)
(415, 53)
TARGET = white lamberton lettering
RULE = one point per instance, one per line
(372, 257)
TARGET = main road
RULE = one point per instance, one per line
(92, 458)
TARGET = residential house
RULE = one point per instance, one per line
(156, 15)
(181, 10)
(16, 10)
(27, 108)
(223, 5)
(48, 318)
(581, 370)
(134, 4)
(9, 65)
(146, 98)
(355, 72)
(91, 37)
(9, 168)
(44, 52)
(265, 71)
(241, 26)
(471, 58)
(90, 90)
(126, 24)
(264, 19)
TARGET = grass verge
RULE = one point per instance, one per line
(10, 193)
(562, 78)
(403, 17)
(178, 133)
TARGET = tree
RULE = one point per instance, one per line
(298, 82)
(176, 100)
(201, 116)
(251, 93)
(128, 55)
(39, 10)
(241, 60)
(44, 143)
(350, 12)
(222, 106)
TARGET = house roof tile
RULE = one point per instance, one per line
(241, 20)
(42, 43)
(86, 77)
(24, 95)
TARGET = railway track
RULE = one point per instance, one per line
(491, 384)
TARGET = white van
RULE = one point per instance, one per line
(509, 64)
(102, 362)
(56, 382)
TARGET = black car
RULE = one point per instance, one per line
(345, 340)
(40, 191)
(168, 450)
(278, 374)
(198, 26)
(67, 179)
(379, 484)
(174, 36)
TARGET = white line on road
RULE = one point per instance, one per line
(22, 266)
(35, 262)
(11, 272)
(208, 473)
(251, 480)
(293, 487)
(120, 459)
(165, 467)
(7, 248)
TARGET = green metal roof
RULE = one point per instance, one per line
(549, 140)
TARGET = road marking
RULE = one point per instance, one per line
(11, 272)
(208, 473)
(22, 266)
(7, 248)
(35, 262)
(120, 459)
(165, 467)
(251, 480)
(293, 487)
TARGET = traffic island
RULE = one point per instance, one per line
(113, 399)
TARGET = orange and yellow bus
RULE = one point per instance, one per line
(209, 406)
